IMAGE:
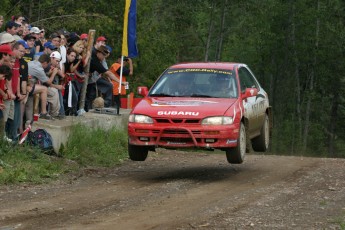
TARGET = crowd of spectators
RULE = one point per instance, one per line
(42, 76)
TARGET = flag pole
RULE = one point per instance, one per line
(121, 70)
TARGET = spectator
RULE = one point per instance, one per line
(49, 48)
(100, 41)
(36, 71)
(12, 28)
(35, 32)
(7, 38)
(5, 54)
(1, 20)
(5, 74)
(26, 29)
(58, 78)
(103, 84)
(55, 39)
(70, 94)
(42, 38)
(126, 71)
(82, 56)
(30, 53)
(23, 70)
(14, 87)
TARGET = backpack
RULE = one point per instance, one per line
(42, 139)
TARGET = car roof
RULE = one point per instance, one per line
(208, 65)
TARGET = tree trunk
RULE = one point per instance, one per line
(332, 125)
(221, 36)
(296, 73)
(91, 38)
(311, 84)
(210, 29)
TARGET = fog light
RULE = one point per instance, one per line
(211, 132)
(142, 131)
(209, 140)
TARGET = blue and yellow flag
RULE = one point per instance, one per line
(129, 39)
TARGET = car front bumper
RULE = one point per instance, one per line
(175, 136)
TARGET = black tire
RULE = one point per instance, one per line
(261, 143)
(236, 155)
(137, 153)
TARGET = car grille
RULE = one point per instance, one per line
(176, 121)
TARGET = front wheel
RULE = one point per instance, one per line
(137, 153)
(261, 143)
(236, 155)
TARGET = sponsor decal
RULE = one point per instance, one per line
(182, 103)
(175, 143)
(260, 96)
(177, 113)
(200, 70)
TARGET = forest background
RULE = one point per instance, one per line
(295, 48)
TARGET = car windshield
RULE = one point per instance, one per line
(196, 83)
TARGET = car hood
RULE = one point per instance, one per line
(183, 107)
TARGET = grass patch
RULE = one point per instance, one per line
(85, 147)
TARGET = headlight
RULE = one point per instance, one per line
(140, 119)
(217, 121)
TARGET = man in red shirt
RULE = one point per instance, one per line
(13, 123)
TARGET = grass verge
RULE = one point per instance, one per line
(86, 147)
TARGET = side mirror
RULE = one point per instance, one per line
(250, 92)
(142, 90)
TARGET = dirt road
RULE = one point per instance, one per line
(179, 190)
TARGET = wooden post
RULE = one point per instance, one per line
(90, 40)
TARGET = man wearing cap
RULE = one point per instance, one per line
(36, 32)
(5, 56)
(30, 52)
(6, 38)
(11, 27)
(103, 84)
(100, 41)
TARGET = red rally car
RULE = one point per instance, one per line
(202, 105)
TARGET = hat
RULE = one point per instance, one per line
(103, 50)
(109, 48)
(24, 44)
(29, 37)
(55, 35)
(49, 45)
(6, 38)
(73, 38)
(6, 49)
(11, 24)
(63, 32)
(35, 30)
(101, 38)
(83, 36)
(55, 55)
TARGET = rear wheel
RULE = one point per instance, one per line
(137, 153)
(261, 143)
(236, 155)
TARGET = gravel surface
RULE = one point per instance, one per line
(186, 190)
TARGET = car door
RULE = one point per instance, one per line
(252, 104)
